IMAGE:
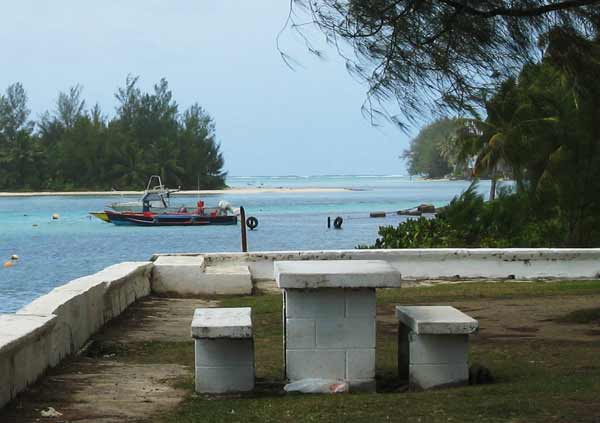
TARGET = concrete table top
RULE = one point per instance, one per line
(222, 323)
(436, 320)
(336, 274)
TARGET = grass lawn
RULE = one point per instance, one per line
(548, 370)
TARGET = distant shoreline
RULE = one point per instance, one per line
(189, 192)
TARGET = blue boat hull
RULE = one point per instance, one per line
(141, 219)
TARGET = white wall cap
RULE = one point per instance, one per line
(222, 323)
(336, 274)
(19, 328)
(179, 261)
(123, 269)
(436, 320)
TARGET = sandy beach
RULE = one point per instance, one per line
(193, 192)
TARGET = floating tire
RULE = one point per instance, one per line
(252, 222)
(337, 223)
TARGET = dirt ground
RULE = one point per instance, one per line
(533, 318)
(102, 385)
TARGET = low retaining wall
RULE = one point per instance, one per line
(59, 323)
(439, 263)
(55, 325)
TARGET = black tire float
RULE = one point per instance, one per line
(252, 222)
(337, 223)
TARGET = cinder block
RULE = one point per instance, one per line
(360, 364)
(300, 333)
(360, 302)
(438, 349)
(323, 364)
(346, 333)
(224, 352)
(315, 303)
(426, 376)
(216, 380)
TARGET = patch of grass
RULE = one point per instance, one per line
(487, 290)
(585, 316)
(151, 352)
(536, 380)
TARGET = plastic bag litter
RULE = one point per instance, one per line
(50, 412)
(317, 386)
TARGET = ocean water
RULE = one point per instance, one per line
(52, 252)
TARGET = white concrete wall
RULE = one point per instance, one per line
(188, 275)
(57, 324)
(439, 263)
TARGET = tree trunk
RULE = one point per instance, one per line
(493, 185)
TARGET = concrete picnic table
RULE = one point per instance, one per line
(329, 317)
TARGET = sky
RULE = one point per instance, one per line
(270, 120)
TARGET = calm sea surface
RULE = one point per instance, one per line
(54, 252)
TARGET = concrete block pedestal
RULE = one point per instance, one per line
(433, 345)
(329, 318)
(224, 350)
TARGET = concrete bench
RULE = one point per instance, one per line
(224, 349)
(433, 345)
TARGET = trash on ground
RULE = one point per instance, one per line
(50, 412)
(317, 386)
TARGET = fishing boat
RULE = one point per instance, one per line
(154, 209)
(198, 217)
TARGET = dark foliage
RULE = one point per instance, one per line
(544, 128)
(441, 53)
(469, 222)
(76, 148)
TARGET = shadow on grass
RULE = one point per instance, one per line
(584, 316)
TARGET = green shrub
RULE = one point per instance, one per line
(512, 220)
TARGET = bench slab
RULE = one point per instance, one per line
(222, 323)
(436, 320)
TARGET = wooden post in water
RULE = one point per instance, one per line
(243, 222)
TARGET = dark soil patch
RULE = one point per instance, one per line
(524, 329)
(584, 316)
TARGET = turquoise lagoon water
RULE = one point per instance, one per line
(54, 252)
